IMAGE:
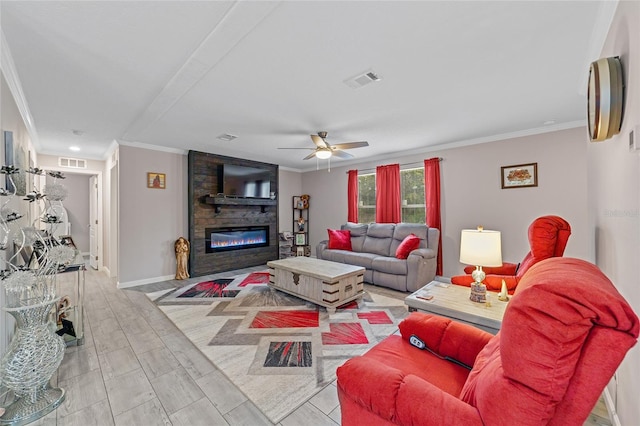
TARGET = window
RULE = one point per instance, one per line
(411, 194)
(367, 198)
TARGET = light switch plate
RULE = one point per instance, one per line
(634, 139)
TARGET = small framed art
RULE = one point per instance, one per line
(519, 176)
(156, 180)
(301, 239)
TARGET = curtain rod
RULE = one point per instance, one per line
(404, 164)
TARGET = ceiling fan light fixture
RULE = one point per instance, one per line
(323, 154)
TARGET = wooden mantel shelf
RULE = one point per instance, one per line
(218, 201)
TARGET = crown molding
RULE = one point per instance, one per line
(467, 142)
(179, 151)
(113, 146)
(289, 169)
(153, 147)
(13, 81)
(510, 135)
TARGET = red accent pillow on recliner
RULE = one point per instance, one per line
(409, 244)
(339, 239)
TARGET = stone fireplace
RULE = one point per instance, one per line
(228, 233)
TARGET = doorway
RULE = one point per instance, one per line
(82, 209)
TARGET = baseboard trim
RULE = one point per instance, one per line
(128, 284)
(611, 409)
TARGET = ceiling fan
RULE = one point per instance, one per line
(325, 150)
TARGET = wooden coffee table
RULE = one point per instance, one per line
(325, 283)
(452, 301)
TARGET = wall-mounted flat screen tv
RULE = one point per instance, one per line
(243, 181)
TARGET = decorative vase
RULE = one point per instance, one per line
(35, 353)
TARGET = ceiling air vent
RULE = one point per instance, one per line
(72, 163)
(226, 137)
(362, 79)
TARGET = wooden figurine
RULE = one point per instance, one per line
(181, 247)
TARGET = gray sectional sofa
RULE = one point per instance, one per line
(374, 247)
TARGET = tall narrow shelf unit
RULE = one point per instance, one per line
(301, 244)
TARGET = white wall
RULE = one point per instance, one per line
(472, 194)
(150, 220)
(614, 193)
(111, 217)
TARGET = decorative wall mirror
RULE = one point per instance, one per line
(605, 101)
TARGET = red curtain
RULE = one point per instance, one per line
(388, 194)
(432, 201)
(352, 196)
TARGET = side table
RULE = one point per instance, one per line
(452, 301)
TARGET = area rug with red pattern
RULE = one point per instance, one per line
(279, 350)
(205, 292)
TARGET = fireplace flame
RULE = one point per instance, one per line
(237, 242)
(222, 239)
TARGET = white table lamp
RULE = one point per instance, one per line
(480, 248)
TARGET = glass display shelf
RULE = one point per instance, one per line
(70, 309)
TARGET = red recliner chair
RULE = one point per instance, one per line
(563, 335)
(548, 236)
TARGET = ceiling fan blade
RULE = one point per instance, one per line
(320, 143)
(350, 145)
(341, 154)
(310, 156)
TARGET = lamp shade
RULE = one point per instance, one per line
(480, 247)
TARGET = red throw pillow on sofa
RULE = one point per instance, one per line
(409, 244)
(339, 239)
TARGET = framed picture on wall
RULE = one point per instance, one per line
(156, 180)
(519, 176)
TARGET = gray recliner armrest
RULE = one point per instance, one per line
(424, 253)
(321, 247)
(421, 268)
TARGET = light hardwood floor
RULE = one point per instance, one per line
(137, 368)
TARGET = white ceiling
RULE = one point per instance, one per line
(178, 74)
